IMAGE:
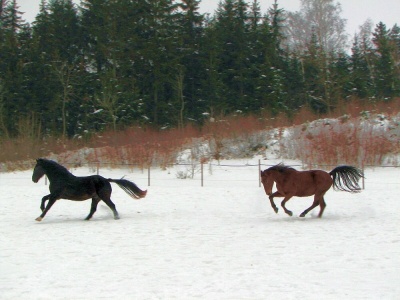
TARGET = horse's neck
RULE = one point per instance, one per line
(55, 175)
(280, 177)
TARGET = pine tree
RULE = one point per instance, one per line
(159, 57)
(117, 63)
(295, 85)
(212, 83)
(96, 30)
(11, 67)
(384, 64)
(56, 34)
(231, 32)
(360, 80)
(394, 37)
(190, 63)
(340, 78)
(314, 71)
(270, 81)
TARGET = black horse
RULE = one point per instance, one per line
(64, 185)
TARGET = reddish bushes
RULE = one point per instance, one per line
(333, 141)
(356, 141)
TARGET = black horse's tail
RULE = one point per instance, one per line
(345, 178)
(130, 188)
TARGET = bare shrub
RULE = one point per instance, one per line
(332, 142)
(345, 138)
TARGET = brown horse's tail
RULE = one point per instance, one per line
(130, 188)
(345, 178)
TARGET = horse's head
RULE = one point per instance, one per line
(38, 171)
(268, 181)
(274, 174)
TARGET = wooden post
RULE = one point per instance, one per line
(148, 175)
(202, 177)
(363, 179)
(259, 173)
(98, 168)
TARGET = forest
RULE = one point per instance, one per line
(112, 64)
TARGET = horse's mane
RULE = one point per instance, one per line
(281, 167)
(52, 166)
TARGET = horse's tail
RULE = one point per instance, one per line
(130, 188)
(345, 178)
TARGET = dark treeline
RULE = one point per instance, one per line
(115, 63)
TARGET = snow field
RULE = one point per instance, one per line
(184, 241)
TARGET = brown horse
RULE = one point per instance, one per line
(290, 182)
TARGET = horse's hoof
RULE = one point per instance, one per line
(302, 215)
(290, 213)
(39, 219)
(276, 210)
(116, 218)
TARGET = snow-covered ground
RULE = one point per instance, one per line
(184, 241)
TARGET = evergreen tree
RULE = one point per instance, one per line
(257, 43)
(384, 65)
(160, 60)
(360, 80)
(394, 37)
(340, 78)
(190, 65)
(212, 83)
(63, 40)
(270, 80)
(95, 15)
(11, 67)
(295, 85)
(278, 88)
(231, 29)
(314, 71)
(56, 34)
(112, 64)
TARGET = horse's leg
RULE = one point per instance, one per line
(93, 207)
(42, 205)
(322, 206)
(105, 195)
(52, 200)
(286, 199)
(314, 205)
(271, 199)
(111, 205)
